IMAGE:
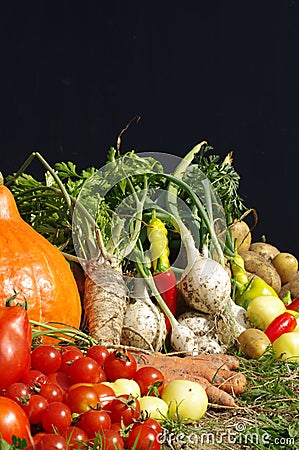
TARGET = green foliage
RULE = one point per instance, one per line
(224, 178)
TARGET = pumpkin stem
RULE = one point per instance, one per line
(1, 179)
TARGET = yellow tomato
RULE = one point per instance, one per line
(264, 309)
(153, 407)
(186, 399)
(287, 346)
(124, 386)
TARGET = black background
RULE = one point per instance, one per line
(73, 73)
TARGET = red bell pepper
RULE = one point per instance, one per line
(15, 344)
(283, 323)
(294, 306)
(167, 287)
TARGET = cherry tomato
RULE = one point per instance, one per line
(154, 424)
(45, 358)
(143, 437)
(86, 370)
(73, 348)
(94, 421)
(99, 353)
(51, 441)
(35, 439)
(124, 409)
(74, 437)
(112, 440)
(13, 421)
(52, 392)
(81, 398)
(57, 416)
(34, 378)
(105, 393)
(60, 379)
(120, 364)
(151, 380)
(35, 407)
(19, 392)
(67, 358)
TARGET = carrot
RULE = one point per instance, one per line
(230, 362)
(105, 303)
(210, 371)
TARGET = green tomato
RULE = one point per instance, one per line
(153, 407)
(264, 309)
(287, 346)
(186, 399)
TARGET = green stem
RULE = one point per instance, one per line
(202, 211)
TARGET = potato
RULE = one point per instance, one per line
(253, 343)
(257, 265)
(286, 265)
(292, 286)
(241, 232)
(267, 251)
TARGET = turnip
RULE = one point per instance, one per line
(144, 324)
(205, 285)
(204, 327)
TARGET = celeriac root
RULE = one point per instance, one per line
(105, 303)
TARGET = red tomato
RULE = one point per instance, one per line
(105, 393)
(15, 344)
(86, 370)
(124, 409)
(143, 437)
(112, 440)
(35, 407)
(51, 441)
(45, 358)
(66, 348)
(99, 353)
(52, 392)
(19, 392)
(58, 416)
(68, 358)
(81, 398)
(120, 364)
(74, 437)
(35, 439)
(13, 421)
(60, 379)
(33, 378)
(154, 424)
(94, 421)
(151, 380)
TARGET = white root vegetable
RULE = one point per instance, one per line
(182, 338)
(144, 325)
(205, 330)
(206, 285)
(232, 322)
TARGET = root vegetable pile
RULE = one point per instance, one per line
(165, 265)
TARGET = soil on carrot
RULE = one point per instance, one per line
(266, 416)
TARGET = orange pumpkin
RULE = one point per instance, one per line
(32, 266)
